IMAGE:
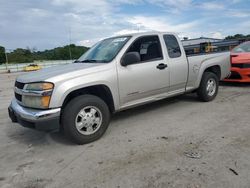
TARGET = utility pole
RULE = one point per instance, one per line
(6, 60)
(70, 54)
(138, 27)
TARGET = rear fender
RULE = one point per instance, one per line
(222, 61)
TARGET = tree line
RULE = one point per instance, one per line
(21, 55)
(238, 36)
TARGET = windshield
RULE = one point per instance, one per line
(244, 47)
(104, 51)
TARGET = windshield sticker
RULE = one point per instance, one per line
(120, 39)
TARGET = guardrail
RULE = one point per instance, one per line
(20, 66)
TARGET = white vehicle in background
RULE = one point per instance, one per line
(115, 74)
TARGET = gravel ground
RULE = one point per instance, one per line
(178, 142)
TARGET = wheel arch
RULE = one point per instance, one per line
(216, 69)
(99, 90)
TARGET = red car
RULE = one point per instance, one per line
(240, 61)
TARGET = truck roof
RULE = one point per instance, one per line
(145, 33)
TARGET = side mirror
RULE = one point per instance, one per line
(130, 58)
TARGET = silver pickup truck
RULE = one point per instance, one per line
(115, 74)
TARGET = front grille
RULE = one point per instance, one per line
(18, 97)
(241, 65)
(235, 75)
(19, 85)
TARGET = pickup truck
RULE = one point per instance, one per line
(115, 74)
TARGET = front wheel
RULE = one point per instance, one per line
(85, 119)
(208, 87)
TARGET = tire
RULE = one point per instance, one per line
(80, 112)
(206, 93)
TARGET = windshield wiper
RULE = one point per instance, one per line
(86, 61)
(90, 61)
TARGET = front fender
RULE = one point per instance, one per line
(62, 90)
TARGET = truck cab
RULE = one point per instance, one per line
(149, 74)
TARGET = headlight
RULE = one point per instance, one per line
(37, 95)
(39, 86)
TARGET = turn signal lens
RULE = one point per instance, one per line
(36, 102)
(45, 101)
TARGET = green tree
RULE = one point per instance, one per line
(61, 53)
(238, 37)
(20, 55)
(2, 55)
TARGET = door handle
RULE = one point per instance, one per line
(162, 66)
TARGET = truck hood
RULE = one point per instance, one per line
(60, 72)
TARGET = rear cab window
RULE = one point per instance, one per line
(173, 47)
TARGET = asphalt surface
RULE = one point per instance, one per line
(178, 142)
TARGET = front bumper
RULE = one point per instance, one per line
(239, 75)
(45, 120)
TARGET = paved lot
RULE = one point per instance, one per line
(144, 147)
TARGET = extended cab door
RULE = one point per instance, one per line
(177, 62)
(140, 81)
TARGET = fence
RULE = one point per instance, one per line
(20, 67)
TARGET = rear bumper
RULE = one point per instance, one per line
(239, 75)
(45, 120)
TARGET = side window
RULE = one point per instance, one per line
(149, 48)
(173, 47)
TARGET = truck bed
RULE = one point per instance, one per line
(199, 61)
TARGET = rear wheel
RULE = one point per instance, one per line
(85, 119)
(208, 87)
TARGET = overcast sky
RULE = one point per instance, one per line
(46, 24)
